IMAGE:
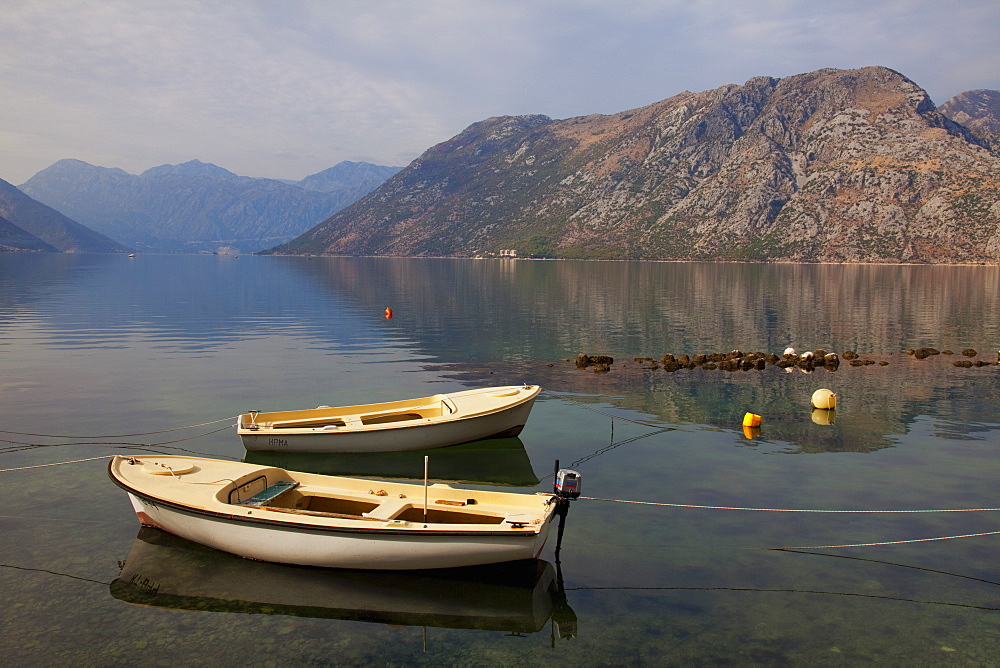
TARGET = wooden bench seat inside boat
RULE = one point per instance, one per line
(318, 421)
(391, 417)
(320, 503)
(290, 497)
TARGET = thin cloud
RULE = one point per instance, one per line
(285, 89)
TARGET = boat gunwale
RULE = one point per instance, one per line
(402, 424)
(528, 531)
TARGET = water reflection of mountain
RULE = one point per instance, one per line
(519, 315)
(165, 571)
(30, 278)
(497, 461)
(545, 310)
(492, 310)
(181, 301)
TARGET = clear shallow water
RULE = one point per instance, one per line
(92, 346)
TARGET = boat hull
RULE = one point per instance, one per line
(288, 544)
(417, 434)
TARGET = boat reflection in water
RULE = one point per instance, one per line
(166, 571)
(497, 461)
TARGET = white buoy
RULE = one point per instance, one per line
(824, 399)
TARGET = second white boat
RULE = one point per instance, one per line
(410, 424)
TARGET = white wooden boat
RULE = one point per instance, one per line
(271, 514)
(410, 424)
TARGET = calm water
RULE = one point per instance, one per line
(106, 354)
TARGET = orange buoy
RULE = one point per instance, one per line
(388, 313)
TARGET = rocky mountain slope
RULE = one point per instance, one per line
(978, 110)
(197, 206)
(31, 225)
(13, 238)
(832, 165)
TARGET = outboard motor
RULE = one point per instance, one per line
(565, 487)
(567, 484)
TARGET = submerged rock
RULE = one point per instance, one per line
(583, 360)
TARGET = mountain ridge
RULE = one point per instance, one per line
(195, 206)
(827, 166)
(978, 110)
(13, 238)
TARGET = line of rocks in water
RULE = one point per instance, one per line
(924, 353)
(737, 360)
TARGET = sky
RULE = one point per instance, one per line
(287, 88)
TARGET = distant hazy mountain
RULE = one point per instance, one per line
(198, 206)
(978, 110)
(830, 166)
(352, 179)
(46, 228)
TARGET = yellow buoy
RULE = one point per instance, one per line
(824, 398)
(751, 420)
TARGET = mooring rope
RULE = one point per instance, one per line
(822, 511)
(605, 413)
(167, 444)
(789, 548)
(791, 510)
(136, 446)
(145, 433)
(886, 542)
(786, 591)
(39, 466)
